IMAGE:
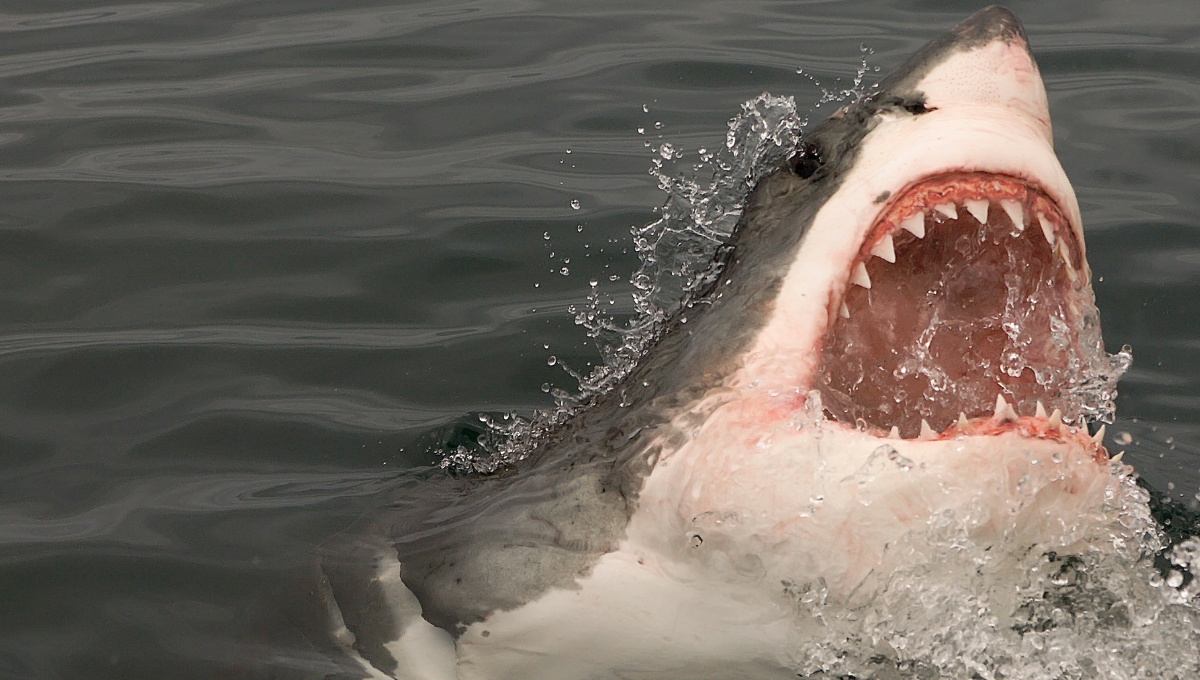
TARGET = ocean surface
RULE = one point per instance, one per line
(258, 258)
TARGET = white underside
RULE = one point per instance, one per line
(704, 584)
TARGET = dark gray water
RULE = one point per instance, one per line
(259, 256)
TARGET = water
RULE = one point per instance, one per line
(258, 257)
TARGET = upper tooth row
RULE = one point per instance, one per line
(885, 248)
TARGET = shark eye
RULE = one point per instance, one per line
(915, 107)
(914, 104)
(807, 161)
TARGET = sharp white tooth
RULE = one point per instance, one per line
(844, 311)
(1041, 410)
(1056, 419)
(859, 276)
(1004, 412)
(885, 249)
(1001, 407)
(962, 420)
(927, 432)
(1065, 256)
(1072, 275)
(914, 224)
(948, 210)
(1117, 458)
(1015, 213)
(1062, 253)
(895, 433)
(1047, 229)
(978, 209)
(1099, 436)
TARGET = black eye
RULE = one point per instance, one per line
(807, 161)
(916, 107)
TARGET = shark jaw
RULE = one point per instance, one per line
(943, 289)
(969, 288)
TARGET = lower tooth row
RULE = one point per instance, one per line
(1004, 413)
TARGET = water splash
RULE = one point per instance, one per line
(677, 254)
(1103, 612)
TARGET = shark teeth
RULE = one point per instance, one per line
(927, 432)
(1004, 412)
(859, 276)
(978, 209)
(885, 249)
(1099, 436)
(1065, 256)
(914, 224)
(1047, 229)
(948, 210)
(1015, 213)
(938, 212)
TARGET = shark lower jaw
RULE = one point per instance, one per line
(962, 314)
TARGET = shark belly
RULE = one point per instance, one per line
(707, 581)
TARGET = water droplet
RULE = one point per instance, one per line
(645, 108)
(1123, 438)
(575, 204)
(551, 360)
(1174, 579)
(564, 271)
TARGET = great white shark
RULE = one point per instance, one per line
(898, 335)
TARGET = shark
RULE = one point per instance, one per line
(898, 335)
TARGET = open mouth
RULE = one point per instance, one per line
(970, 286)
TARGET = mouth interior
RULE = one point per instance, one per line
(969, 286)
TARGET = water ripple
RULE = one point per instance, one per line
(344, 337)
(191, 493)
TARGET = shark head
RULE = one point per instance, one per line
(916, 334)
(940, 285)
